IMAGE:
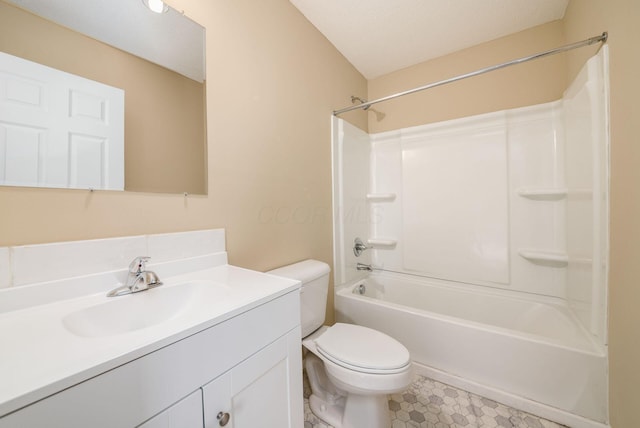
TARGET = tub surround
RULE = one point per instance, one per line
(43, 357)
(515, 199)
(5, 267)
(506, 206)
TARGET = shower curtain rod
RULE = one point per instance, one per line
(590, 41)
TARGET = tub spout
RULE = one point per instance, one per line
(362, 266)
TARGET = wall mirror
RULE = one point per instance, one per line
(157, 62)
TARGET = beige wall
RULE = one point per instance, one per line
(586, 18)
(273, 82)
(525, 84)
(173, 155)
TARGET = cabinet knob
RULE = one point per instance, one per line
(223, 418)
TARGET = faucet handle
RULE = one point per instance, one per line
(138, 265)
(358, 247)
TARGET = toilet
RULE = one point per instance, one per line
(351, 368)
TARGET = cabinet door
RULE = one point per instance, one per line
(186, 413)
(263, 391)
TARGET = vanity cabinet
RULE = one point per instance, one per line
(247, 366)
(254, 393)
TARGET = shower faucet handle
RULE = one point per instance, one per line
(358, 247)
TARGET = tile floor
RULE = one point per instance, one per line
(430, 404)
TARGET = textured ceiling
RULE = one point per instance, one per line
(381, 36)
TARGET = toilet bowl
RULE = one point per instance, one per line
(361, 366)
(351, 369)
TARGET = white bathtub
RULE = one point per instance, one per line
(531, 354)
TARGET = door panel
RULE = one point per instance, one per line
(58, 129)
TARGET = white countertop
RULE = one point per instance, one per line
(39, 356)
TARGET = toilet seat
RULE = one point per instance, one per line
(362, 349)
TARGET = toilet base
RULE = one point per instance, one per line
(331, 414)
(342, 410)
(357, 411)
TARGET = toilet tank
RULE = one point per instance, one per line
(314, 276)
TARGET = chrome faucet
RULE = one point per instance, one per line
(139, 278)
(362, 266)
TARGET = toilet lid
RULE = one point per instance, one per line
(362, 349)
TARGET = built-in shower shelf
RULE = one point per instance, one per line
(383, 244)
(538, 256)
(381, 197)
(543, 194)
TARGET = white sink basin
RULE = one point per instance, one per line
(140, 310)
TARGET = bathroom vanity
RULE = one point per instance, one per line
(212, 347)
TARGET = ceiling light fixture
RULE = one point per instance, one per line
(157, 6)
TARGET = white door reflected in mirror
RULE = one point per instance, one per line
(157, 59)
(58, 129)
